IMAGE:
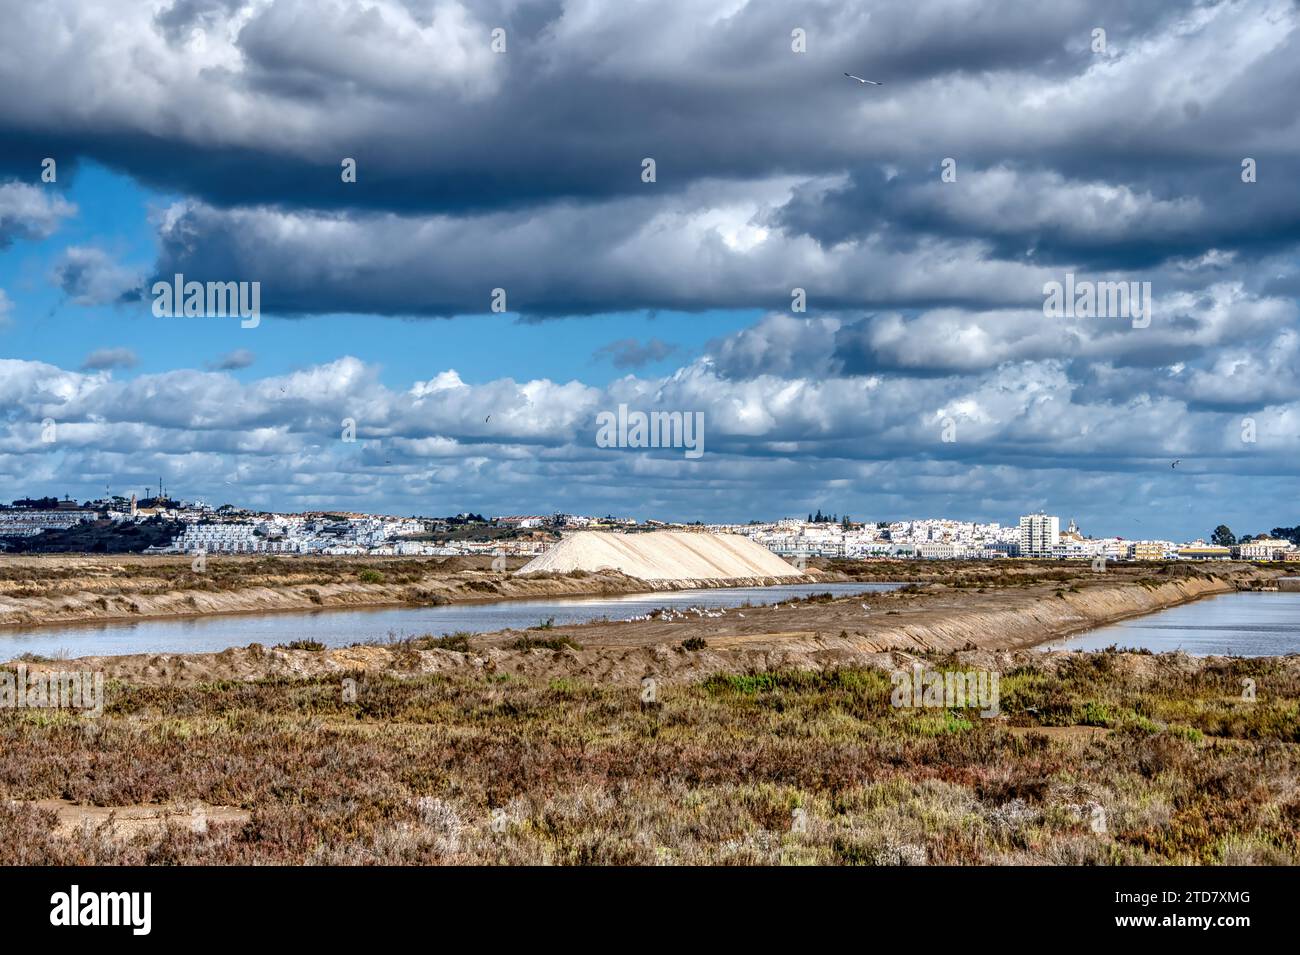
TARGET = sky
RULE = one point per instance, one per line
(847, 282)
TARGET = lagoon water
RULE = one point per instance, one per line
(1239, 624)
(340, 628)
(1243, 624)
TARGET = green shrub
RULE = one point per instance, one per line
(1093, 713)
(547, 643)
(457, 642)
(1189, 733)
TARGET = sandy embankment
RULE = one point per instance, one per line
(991, 627)
(1043, 618)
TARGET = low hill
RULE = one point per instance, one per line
(97, 537)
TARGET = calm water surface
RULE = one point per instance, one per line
(1244, 624)
(1241, 624)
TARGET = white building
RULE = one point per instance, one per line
(24, 523)
(522, 521)
(1266, 549)
(939, 550)
(1039, 535)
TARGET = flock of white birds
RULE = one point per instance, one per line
(670, 615)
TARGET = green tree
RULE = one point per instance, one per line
(1223, 536)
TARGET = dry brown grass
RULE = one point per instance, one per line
(492, 769)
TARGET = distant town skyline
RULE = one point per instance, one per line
(166, 525)
(1052, 522)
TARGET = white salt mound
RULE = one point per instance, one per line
(663, 555)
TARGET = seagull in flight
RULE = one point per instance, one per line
(861, 80)
(1176, 463)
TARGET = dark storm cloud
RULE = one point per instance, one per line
(104, 359)
(633, 353)
(521, 170)
(29, 212)
(91, 276)
(439, 122)
(1138, 221)
(1186, 328)
(233, 361)
(702, 249)
(178, 20)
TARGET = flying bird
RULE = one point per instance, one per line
(861, 80)
(1176, 463)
